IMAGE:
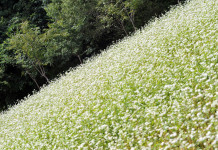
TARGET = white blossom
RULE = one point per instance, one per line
(152, 90)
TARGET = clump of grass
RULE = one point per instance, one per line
(157, 89)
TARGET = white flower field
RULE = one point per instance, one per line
(157, 89)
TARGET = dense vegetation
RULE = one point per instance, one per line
(157, 89)
(42, 38)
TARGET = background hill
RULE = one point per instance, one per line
(156, 89)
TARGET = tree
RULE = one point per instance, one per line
(77, 21)
(12, 13)
(14, 84)
(30, 51)
(121, 11)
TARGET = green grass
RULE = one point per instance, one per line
(157, 89)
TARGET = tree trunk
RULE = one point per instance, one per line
(34, 80)
(130, 18)
(132, 21)
(123, 27)
(46, 78)
(41, 71)
(80, 60)
(44, 75)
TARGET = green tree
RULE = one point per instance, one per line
(120, 11)
(12, 13)
(10, 74)
(76, 21)
(30, 50)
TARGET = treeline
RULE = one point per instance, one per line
(41, 38)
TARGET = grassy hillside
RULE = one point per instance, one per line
(157, 89)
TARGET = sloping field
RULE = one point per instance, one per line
(157, 89)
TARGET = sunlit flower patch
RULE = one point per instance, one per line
(157, 89)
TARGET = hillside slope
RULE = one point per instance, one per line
(157, 89)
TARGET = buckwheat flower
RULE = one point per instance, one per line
(191, 145)
(173, 135)
(201, 139)
(155, 81)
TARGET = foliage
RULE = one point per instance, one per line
(11, 74)
(128, 15)
(31, 51)
(12, 13)
(76, 20)
(117, 10)
(154, 90)
(3, 27)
